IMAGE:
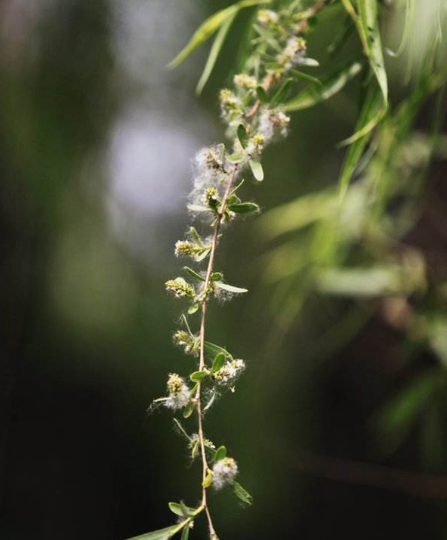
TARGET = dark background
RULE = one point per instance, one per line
(96, 140)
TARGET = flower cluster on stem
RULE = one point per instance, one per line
(252, 113)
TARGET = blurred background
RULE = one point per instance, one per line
(339, 423)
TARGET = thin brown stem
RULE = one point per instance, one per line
(209, 271)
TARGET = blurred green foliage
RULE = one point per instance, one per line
(345, 329)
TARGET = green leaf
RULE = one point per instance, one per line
(189, 409)
(193, 309)
(394, 421)
(230, 288)
(179, 426)
(256, 169)
(198, 208)
(209, 27)
(330, 85)
(214, 52)
(236, 158)
(185, 533)
(214, 349)
(370, 110)
(196, 236)
(309, 62)
(380, 280)
(242, 135)
(368, 19)
(262, 94)
(198, 376)
(221, 452)
(161, 534)
(193, 273)
(244, 208)
(176, 509)
(282, 92)
(242, 493)
(305, 77)
(180, 509)
(216, 276)
(218, 362)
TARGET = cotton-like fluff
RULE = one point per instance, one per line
(179, 393)
(229, 372)
(231, 107)
(293, 53)
(224, 471)
(209, 171)
(273, 123)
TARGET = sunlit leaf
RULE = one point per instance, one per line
(230, 288)
(368, 19)
(214, 52)
(161, 534)
(242, 494)
(209, 27)
(244, 208)
(214, 349)
(256, 169)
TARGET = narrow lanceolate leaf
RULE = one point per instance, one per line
(198, 208)
(282, 92)
(368, 19)
(196, 236)
(230, 288)
(214, 349)
(214, 52)
(209, 27)
(372, 107)
(218, 362)
(221, 452)
(256, 169)
(329, 86)
(185, 533)
(243, 208)
(161, 534)
(193, 273)
(242, 493)
(305, 77)
(189, 409)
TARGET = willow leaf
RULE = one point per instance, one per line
(376, 111)
(329, 86)
(209, 27)
(214, 52)
(370, 28)
(161, 534)
(371, 108)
